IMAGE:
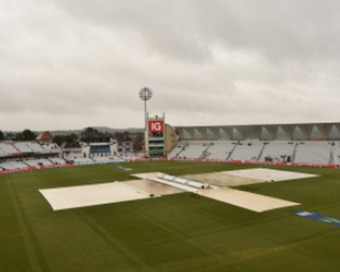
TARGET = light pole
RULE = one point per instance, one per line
(145, 94)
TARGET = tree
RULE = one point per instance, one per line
(27, 135)
(70, 138)
(90, 130)
(1, 135)
(91, 135)
(138, 143)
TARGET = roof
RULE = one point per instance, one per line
(44, 136)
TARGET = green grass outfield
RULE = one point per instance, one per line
(171, 233)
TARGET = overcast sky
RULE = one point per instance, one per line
(70, 64)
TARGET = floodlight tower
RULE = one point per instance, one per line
(145, 94)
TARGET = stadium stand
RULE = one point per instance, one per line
(3, 153)
(103, 160)
(8, 149)
(336, 153)
(313, 152)
(38, 163)
(83, 161)
(247, 151)
(37, 148)
(13, 165)
(277, 151)
(49, 148)
(309, 152)
(175, 152)
(22, 156)
(100, 151)
(314, 144)
(193, 150)
(295, 144)
(23, 147)
(57, 161)
(220, 150)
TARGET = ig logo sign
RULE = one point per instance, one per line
(156, 126)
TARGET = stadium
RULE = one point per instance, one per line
(238, 172)
(110, 213)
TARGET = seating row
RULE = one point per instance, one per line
(301, 152)
(35, 163)
(13, 149)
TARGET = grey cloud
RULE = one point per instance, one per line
(300, 30)
(279, 29)
(207, 61)
(166, 27)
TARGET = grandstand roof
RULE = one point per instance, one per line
(297, 131)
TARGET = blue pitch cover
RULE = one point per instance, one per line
(318, 217)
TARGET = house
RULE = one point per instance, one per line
(44, 138)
